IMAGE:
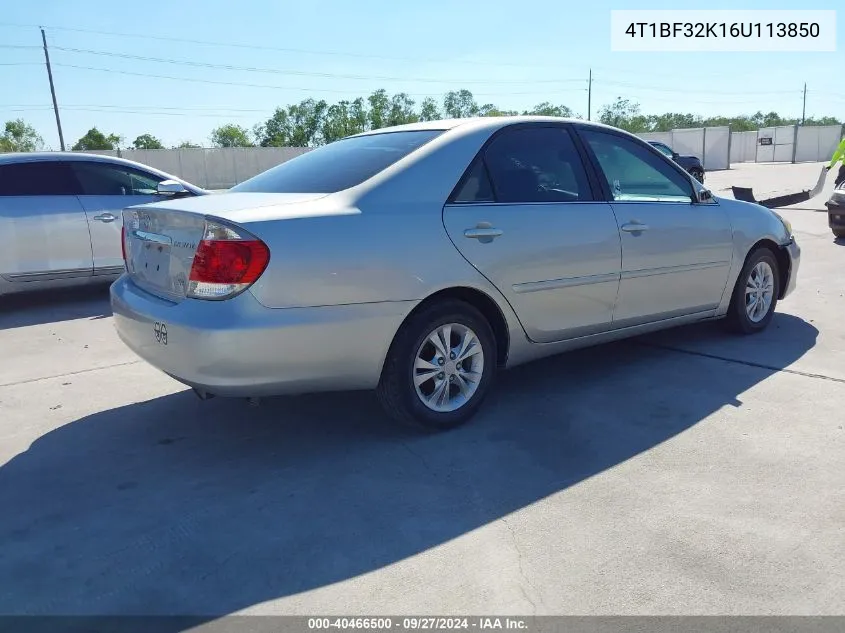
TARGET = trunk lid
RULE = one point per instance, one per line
(161, 239)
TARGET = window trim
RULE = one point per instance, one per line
(607, 193)
(128, 169)
(596, 191)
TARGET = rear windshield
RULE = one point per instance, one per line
(339, 165)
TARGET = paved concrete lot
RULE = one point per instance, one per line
(689, 472)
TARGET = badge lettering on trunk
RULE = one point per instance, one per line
(160, 331)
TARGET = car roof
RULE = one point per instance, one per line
(28, 157)
(19, 157)
(480, 123)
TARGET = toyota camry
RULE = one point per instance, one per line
(418, 260)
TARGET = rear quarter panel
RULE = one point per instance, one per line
(381, 241)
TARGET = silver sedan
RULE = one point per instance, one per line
(418, 260)
(60, 216)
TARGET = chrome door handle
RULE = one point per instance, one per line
(105, 217)
(483, 233)
(634, 227)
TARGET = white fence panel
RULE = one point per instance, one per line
(660, 137)
(689, 141)
(717, 147)
(743, 147)
(217, 168)
(817, 143)
(775, 144)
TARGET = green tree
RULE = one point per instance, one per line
(402, 110)
(429, 110)
(147, 141)
(460, 104)
(379, 109)
(359, 115)
(488, 109)
(230, 135)
(186, 145)
(298, 125)
(624, 114)
(547, 109)
(94, 139)
(18, 136)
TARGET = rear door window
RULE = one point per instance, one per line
(536, 164)
(37, 178)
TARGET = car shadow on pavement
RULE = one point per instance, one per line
(51, 306)
(177, 506)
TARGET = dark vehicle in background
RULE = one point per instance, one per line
(691, 164)
(836, 211)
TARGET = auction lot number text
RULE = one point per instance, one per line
(723, 29)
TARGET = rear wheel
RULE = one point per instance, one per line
(756, 293)
(439, 367)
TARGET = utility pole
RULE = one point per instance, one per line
(804, 109)
(589, 93)
(53, 91)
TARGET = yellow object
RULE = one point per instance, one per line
(839, 154)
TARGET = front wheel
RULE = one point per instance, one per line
(756, 293)
(439, 367)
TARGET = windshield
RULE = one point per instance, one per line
(339, 165)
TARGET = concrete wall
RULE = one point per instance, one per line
(718, 147)
(711, 144)
(218, 168)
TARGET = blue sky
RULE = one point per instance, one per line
(505, 54)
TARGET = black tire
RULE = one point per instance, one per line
(396, 390)
(737, 319)
(698, 175)
(839, 233)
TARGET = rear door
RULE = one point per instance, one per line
(106, 189)
(43, 229)
(676, 254)
(527, 217)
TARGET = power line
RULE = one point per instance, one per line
(686, 92)
(261, 47)
(328, 90)
(185, 62)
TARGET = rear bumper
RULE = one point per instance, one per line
(794, 252)
(243, 349)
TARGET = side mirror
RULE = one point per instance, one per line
(171, 188)
(704, 196)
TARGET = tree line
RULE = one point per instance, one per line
(312, 122)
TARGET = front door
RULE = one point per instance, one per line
(676, 254)
(107, 189)
(43, 229)
(527, 218)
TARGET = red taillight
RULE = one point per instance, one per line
(227, 261)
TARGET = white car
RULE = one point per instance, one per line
(61, 214)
